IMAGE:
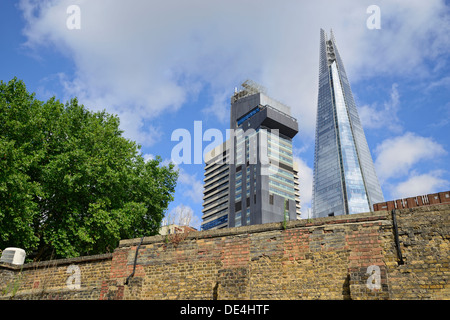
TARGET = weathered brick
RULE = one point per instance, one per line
(326, 258)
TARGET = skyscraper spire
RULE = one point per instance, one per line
(345, 181)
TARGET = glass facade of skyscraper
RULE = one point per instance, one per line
(345, 181)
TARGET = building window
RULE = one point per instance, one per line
(215, 222)
(270, 198)
(237, 219)
(248, 115)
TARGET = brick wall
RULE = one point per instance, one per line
(424, 236)
(412, 202)
(342, 257)
(77, 278)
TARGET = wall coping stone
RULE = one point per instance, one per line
(240, 231)
(244, 230)
(56, 262)
(382, 215)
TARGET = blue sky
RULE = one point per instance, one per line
(161, 65)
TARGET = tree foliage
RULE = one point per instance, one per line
(70, 184)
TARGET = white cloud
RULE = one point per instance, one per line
(146, 58)
(191, 186)
(385, 116)
(396, 156)
(148, 156)
(306, 182)
(420, 185)
(442, 82)
(219, 107)
(444, 120)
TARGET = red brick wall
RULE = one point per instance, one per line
(412, 202)
(342, 257)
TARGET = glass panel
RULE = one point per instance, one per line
(355, 189)
(215, 222)
(247, 116)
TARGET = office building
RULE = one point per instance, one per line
(216, 189)
(345, 181)
(252, 178)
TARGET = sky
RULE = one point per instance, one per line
(163, 65)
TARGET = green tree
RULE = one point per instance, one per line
(70, 184)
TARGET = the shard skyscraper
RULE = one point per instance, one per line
(345, 181)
